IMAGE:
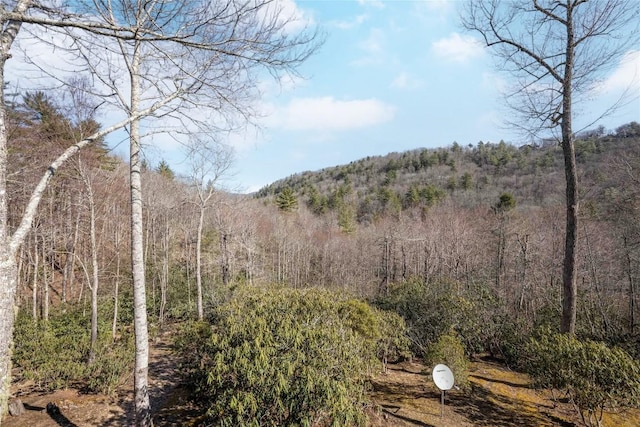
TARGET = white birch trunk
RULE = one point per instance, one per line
(199, 265)
(141, 388)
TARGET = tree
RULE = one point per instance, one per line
(556, 51)
(347, 219)
(209, 161)
(165, 170)
(176, 56)
(94, 283)
(287, 200)
(505, 204)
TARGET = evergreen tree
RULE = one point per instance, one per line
(347, 219)
(287, 200)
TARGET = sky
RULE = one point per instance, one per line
(391, 76)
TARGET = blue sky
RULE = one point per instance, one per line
(391, 76)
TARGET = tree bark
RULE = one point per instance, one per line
(8, 273)
(116, 285)
(569, 282)
(199, 264)
(141, 388)
(94, 268)
(34, 289)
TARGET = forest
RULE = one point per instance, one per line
(131, 294)
(456, 243)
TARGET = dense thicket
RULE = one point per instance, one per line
(55, 354)
(285, 357)
(596, 378)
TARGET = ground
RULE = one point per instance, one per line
(404, 396)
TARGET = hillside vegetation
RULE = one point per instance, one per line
(473, 175)
(458, 249)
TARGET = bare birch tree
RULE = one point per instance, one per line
(556, 51)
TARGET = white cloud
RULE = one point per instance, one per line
(378, 4)
(458, 48)
(406, 81)
(349, 24)
(627, 75)
(288, 13)
(494, 82)
(373, 48)
(440, 6)
(328, 114)
(36, 63)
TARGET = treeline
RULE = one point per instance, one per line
(497, 232)
(376, 186)
(465, 244)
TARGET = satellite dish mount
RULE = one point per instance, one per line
(443, 379)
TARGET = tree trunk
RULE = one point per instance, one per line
(141, 388)
(632, 286)
(8, 278)
(224, 254)
(116, 285)
(34, 289)
(164, 275)
(45, 283)
(188, 268)
(94, 268)
(569, 282)
(199, 265)
(71, 254)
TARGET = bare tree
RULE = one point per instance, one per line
(209, 161)
(556, 52)
(93, 285)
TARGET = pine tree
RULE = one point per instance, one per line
(287, 200)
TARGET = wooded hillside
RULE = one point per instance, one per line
(457, 240)
(483, 221)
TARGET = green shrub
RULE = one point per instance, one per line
(511, 340)
(431, 310)
(285, 357)
(449, 350)
(54, 353)
(595, 377)
(393, 343)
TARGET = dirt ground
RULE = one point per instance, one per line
(404, 396)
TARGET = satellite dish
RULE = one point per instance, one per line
(442, 377)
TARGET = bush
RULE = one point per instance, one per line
(434, 309)
(449, 350)
(595, 377)
(511, 340)
(285, 357)
(54, 353)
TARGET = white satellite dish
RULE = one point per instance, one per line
(442, 377)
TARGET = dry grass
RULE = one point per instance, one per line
(404, 396)
(498, 397)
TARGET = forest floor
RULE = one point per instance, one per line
(404, 396)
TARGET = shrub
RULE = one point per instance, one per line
(285, 357)
(510, 341)
(595, 377)
(434, 309)
(54, 353)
